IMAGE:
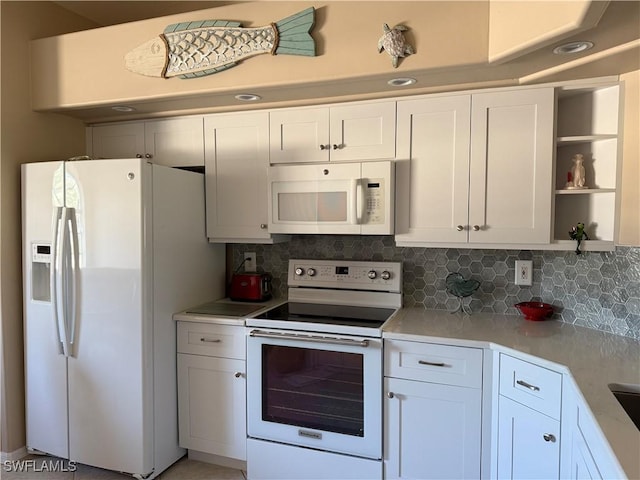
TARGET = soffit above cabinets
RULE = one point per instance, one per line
(458, 46)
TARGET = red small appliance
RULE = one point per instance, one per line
(250, 287)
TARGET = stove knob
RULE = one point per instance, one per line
(385, 275)
(311, 272)
(372, 274)
(299, 271)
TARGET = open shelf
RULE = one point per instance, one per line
(587, 124)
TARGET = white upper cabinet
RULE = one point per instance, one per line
(237, 159)
(118, 140)
(174, 142)
(357, 132)
(511, 167)
(432, 170)
(475, 169)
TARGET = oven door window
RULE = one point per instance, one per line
(312, 388)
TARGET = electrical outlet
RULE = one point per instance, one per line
(524, 272)
(250, 261)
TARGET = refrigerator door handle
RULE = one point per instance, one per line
(56, 277)
(71, 297)
(61, 278)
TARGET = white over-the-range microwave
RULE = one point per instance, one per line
(332, 198)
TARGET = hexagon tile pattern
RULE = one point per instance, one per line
(599, 290)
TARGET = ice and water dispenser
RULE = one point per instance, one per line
(41, 271)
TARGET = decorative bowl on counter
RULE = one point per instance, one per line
(535, 311)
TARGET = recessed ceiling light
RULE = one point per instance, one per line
(572, 47)
(247, 97)
(123, 108)
(401, 81)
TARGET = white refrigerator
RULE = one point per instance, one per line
(111, 249)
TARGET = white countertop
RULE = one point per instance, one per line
(592, 358)
(222, 319)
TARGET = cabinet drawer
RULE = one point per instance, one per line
(429, 362)
(212, 340)
(537, 387)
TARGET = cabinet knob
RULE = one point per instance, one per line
(148, 155)
(325, 172)
(263, 226)
(549, 437)
(138, 155)
(476, 228)
(324, 147)
(390, 395)
(459, 228)
(237, 374)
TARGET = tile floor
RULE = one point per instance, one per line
(34, 467)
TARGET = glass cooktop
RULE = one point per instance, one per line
(371, 317)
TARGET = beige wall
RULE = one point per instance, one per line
(346, 48)
(25, 137)
(630, 184)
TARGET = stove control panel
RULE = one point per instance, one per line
(346, 274)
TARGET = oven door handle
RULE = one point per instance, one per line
(309, 338)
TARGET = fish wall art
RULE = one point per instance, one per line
(204, 47)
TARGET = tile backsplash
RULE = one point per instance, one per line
(599, 290)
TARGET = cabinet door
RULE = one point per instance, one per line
(432, 170)
(511, 167)
(175, 142)
(122, 140)
(583, 466)
(237, 159)
(299, 135)
(212, 405)
(432, 431)
(363, 132)
(528, 443)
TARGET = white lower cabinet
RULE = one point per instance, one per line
(529, 408)
(212, 389)
(589, 455)
(433, 429)
(528, 442)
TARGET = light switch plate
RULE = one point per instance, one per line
(524, 272)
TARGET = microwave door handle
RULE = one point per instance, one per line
(355, 200)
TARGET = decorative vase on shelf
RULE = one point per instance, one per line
(576, 178)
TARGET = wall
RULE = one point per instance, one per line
(630, 181)
(25, 137)
(96, 56)
(596, 289)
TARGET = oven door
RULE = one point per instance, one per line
(315, 390)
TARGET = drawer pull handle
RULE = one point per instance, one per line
(528, 385)
(210, 340)
(549, 437)
(433, 364)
